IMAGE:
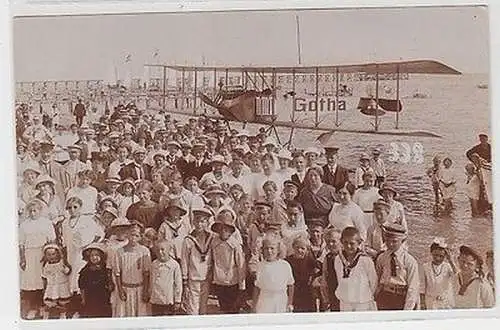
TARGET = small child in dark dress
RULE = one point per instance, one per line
(95, 283)
(303, 264)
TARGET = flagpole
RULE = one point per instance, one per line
(298, 39)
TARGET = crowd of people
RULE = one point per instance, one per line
(142, 214)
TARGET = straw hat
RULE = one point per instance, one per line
(222, 221)
(218, 159)
(388, 187)
(93, 246)
(394, 229)
(364, 156)
(176, 203)
(51, 246)
(202, 210)
(33, 167)
(215, 190)
(285, 154)
(113, 179)
(440, 242)
(120, 222)
(44, 178)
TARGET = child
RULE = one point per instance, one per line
(303, 269)
(473, 291)
(149, 237)
(117, 238)
(396, 209)
(85, 192)
(34, 232)
(357, 278)
(194, 263)
(128, 191)
(244, 216)
(447, 185)
(473, 188)
(274, 284)
(173, 227)
(397, 270)
(294, 226)
(378, 166)
(227, 267)
(374, 244)
(434, 173)
(112, 185)
(318, 251)
(166, 281)
(438, 278)
(131, 269)
(55, 275)
(329, 276)
(364, 167)
(95, 283)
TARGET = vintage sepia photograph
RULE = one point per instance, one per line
(246, 162)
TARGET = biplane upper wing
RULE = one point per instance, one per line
(411, 67)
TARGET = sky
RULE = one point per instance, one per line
(88, 47)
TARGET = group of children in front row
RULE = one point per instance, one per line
(133, 273)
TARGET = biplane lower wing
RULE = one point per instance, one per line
(326, 130)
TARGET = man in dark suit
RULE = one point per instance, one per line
(335, 175)
(136, 170)
(79, 112)
(199, 166)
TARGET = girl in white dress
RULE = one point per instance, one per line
(472, 188)
(447, 185)
(27, 190)
(347, 213)
(34, 232)
(131, 269)
(438, 278)
(78, 231)
(471, 288)
(127, 189)
(396, 211)
(366, 196)
(52, 209)
(55, 274)
(274, 284)
(85, 192)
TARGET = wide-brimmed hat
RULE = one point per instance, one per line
(218, 159)
(215, 190)
(388, 187)
(202, 210)
(93, 246)
(176, 203)
(74, 147)
(120, 222)
(222, 222)
(51, 246)
(113, 179)
(394, 229)
(32, 166)
(243, 132)
(44, 178)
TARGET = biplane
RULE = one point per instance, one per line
(254, 100)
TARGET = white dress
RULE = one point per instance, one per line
(78, 233)
(365, 199)
(33, 235)
(478, 294)
(87, 195)
(350, 215)
(437, 286)
(272, 279)
(57, 281)
(448, 177)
